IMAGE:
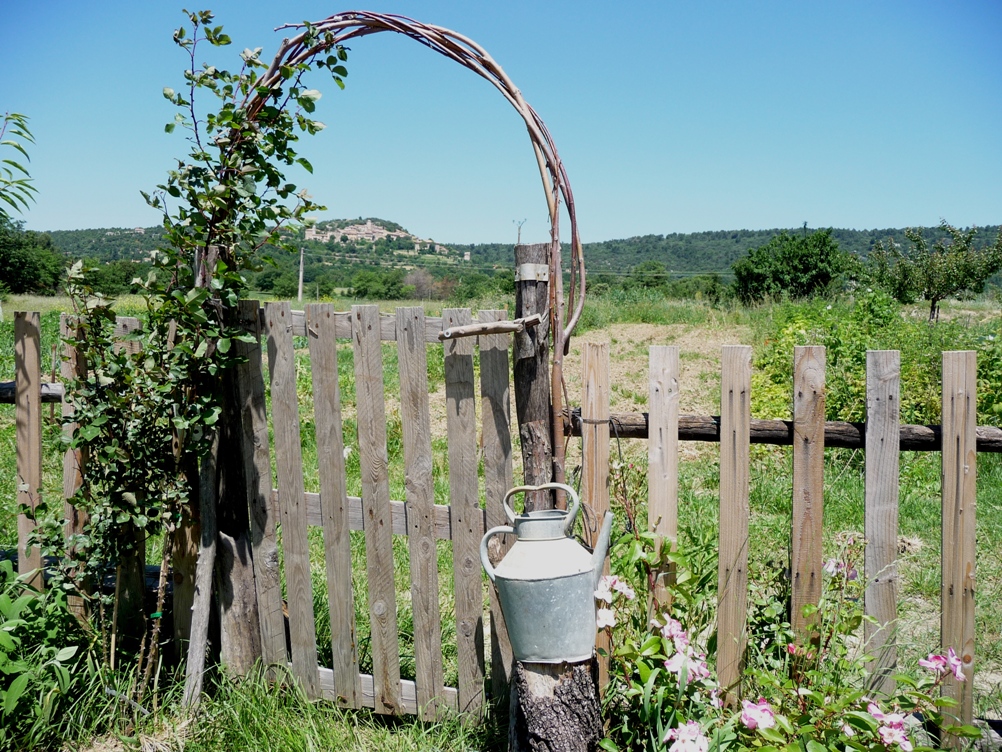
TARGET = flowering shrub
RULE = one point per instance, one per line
(806, 695)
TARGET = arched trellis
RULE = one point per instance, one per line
(319, 37)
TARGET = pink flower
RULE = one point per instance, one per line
(895, 734)
(688, 738)
(935, 663)
(694, 665)
(606, 617)
(874, 710)
(715, 700)
(791, 649)
(831, 566)
(847, 730)
(672, 630)
(757, 715)
(624, 589)
(604, 592)
(955, 665)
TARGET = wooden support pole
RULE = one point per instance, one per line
(662, 456)
(28, 427)
(595, 460)
(959, 487)
(883, 408)
(72, 367)
(808, 482)
(531, 371)
(732, 569)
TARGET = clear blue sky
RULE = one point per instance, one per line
(669, 116)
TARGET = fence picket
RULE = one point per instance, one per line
(28, 429)
(732, 570)
(415, 415)
(595, 463)
(333, 501)
(466, 513)
(808, 480)
(289, 464)
(374, 464)
(959, 486)
(662, 452)
(71, 367)
(495, 407)
(883, 407)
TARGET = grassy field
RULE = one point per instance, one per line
(630, 324)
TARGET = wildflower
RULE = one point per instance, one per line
(604, 591)
(757, 715)
(347, 452)
(688, 738)
(672, 630)
(955, 664)
(606, 618)
(831, 566)
(715, 700)
(935, 663)
(623, 589)
(791, 649)
(895, 734)
(847, 731)
(694, 665)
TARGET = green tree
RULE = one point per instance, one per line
(951, 266)
(794, 266)
(16, 189)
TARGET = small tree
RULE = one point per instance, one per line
(795, 266)
(950, 267)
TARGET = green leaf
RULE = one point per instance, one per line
(66, 653)
(14, 692)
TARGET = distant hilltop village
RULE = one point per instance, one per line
(370, 232)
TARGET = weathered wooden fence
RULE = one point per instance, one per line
(464, 520)
(882, 437)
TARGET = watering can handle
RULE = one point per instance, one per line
(572, 512)
(484, 558)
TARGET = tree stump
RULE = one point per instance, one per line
(555, 707)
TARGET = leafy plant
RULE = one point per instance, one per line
(793, 266)
(16, 188)
(950, 267)
(40, 657)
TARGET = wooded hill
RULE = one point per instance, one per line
(681, 253)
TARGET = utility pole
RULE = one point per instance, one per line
(301, 250)
(519, 224)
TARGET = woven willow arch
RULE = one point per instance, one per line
(320, 37)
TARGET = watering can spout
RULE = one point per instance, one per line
(601, 547)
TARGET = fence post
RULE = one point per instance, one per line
(883, 383)
(467, 519)
(959, 488)
(595, 459)
(808, 481)
(732, 571)
(72, 367)
(495, 407)
(415, 415)
(28, 421)
(662, 453)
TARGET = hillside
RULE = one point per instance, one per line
(334, 244)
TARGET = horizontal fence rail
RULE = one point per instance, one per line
(838, 434)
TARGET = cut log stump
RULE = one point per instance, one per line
(555, 707)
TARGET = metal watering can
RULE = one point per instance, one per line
(547, 581)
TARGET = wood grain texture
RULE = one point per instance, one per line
(883, 409)
(261, 507)
(72, 366)
(732, 569)
(415, 415)
(808, 481)
(289, 465)
(333, 501)
(959, 486)
(374, 465)
(387, 325)
(662, 455)
(595, 465)
(495, 408)
(466, 513)
(28, 431)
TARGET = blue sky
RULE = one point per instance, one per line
(669, 116)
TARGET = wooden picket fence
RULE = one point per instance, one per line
(464, 520)
(882, 437)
